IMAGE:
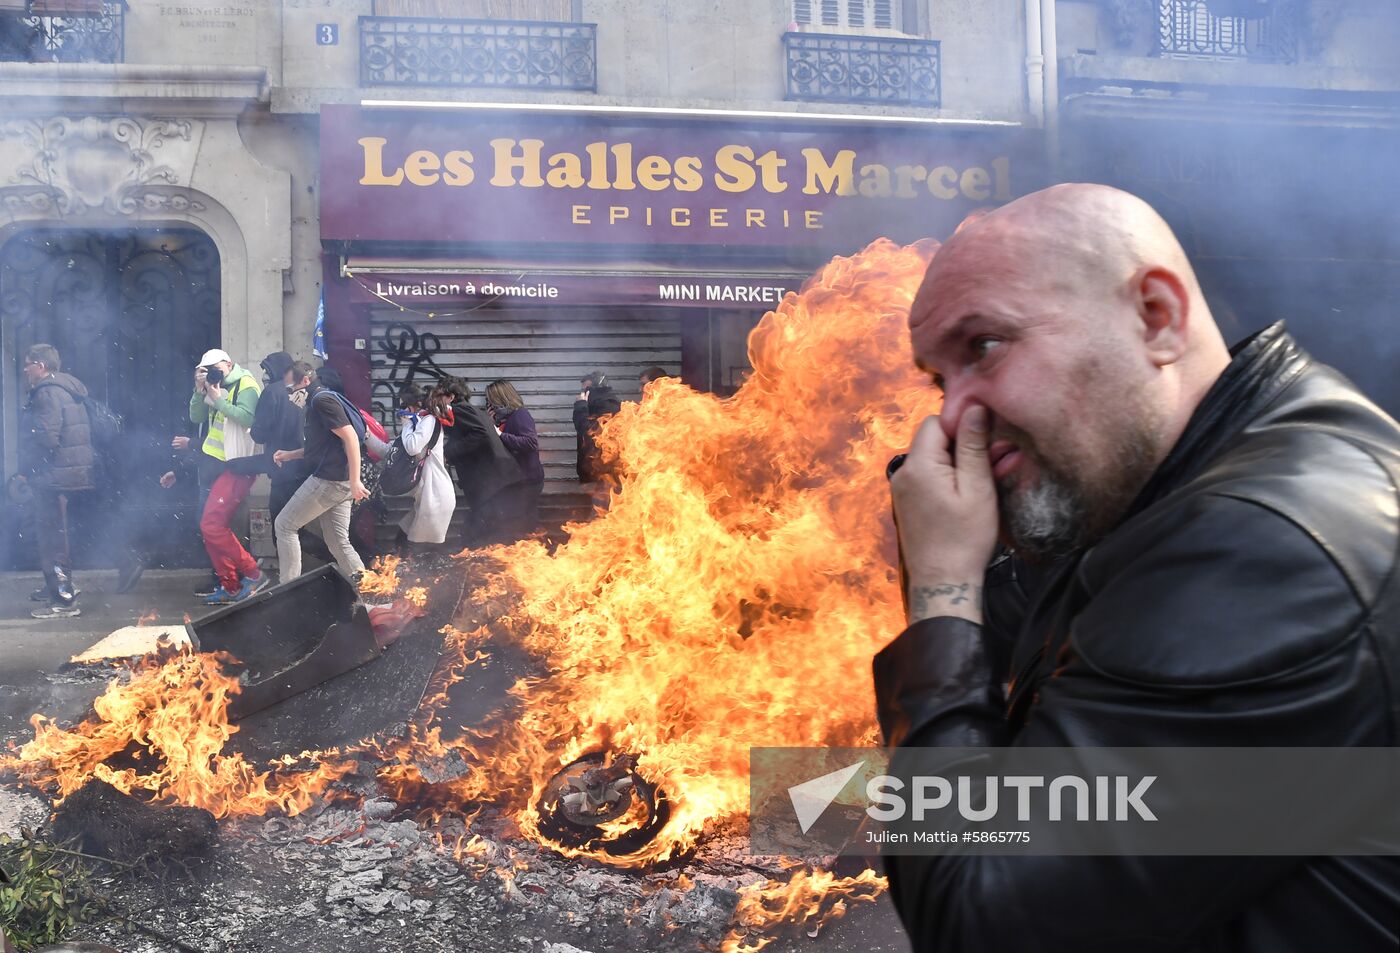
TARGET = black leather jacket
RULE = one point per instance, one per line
(1249, 598)
(474, 449)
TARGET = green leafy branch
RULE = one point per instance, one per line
(44, 890)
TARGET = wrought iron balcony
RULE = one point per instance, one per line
(65, 31)
(1187, 28)
(529, 54)
(831, 68)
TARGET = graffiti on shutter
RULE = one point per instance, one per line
(542, 353)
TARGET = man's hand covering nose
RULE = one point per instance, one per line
(946, 513)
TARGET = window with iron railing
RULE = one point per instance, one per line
(537, 44)
(482, 53)
(1199, 29)
(872, 70)
(556, 10)
(850, 14)
(63, 31)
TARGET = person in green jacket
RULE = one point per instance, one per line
(223, 403)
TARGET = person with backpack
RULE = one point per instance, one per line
(434, 497)
(225, 400)
(333, 433)
(58, 462)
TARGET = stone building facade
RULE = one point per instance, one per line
(162, 176)
(160, 180)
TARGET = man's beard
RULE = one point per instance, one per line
(1061, 513)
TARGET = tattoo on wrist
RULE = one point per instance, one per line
(924, 601)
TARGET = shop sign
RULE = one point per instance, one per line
(478, 177)
(447, 294)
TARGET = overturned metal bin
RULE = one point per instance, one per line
(289, 638)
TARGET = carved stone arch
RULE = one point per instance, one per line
(165, 207)
(120, 170)
(122, 283)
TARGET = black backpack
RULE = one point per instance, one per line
(403, 471)
(104, 423)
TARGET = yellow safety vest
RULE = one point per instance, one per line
(214, 441)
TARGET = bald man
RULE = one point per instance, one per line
(1214, 535)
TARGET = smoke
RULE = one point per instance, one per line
(1297, 222)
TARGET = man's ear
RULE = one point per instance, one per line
(1164, 309)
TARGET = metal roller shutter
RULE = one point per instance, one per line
(543, 352)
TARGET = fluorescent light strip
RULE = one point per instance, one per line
(546, 270)
(701, 113)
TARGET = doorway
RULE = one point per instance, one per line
(130, 311)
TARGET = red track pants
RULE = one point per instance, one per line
(232, 563)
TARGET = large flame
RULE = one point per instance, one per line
(741, 579)
(168, 725)
(731, 596)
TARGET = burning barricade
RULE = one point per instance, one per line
(732, 595)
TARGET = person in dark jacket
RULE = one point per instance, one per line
(58, 463)
(596, 400)
(1221, 534)
(278, 423)
(486, 471)
(520, 437)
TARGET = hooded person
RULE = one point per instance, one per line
(596, 400)
(277, 425)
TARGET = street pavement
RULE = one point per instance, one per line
(33, 651)
(34, 677)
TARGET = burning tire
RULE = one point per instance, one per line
(601, 803)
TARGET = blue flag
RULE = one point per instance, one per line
(318, 337)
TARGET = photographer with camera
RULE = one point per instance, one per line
(224, 404)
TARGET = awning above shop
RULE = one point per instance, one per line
(466, 284)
